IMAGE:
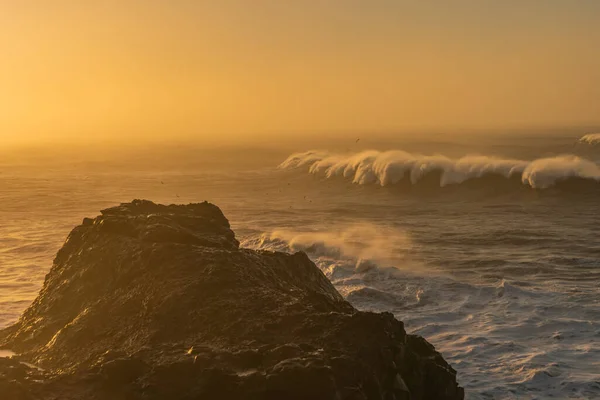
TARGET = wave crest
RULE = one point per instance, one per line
(590, 138)
(359, 246)
(391, 167)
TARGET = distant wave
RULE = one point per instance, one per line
(590, 138)
(392, 167)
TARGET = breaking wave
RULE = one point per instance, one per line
(590, 138)
(355, 247)
(392, 167)
(365, 261)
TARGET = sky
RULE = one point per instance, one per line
(233, 70)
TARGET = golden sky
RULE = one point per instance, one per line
(230, 69)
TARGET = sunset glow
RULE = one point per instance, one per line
(239, 68)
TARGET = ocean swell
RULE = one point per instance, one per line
(392, 167)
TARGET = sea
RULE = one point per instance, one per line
(487, 246)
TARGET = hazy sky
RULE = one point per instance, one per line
(229, 69)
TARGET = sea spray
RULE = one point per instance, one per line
(390, 167)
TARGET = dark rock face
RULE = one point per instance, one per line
(159, 302)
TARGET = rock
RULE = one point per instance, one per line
(149, 301)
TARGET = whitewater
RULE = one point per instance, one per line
(390, 167)
(490, 251)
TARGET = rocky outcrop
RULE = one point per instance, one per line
(149, 301)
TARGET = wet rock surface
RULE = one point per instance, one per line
(149, 301)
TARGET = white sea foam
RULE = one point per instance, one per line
(590, 138)
(390, 167)
(506, 288)
(505, 339)
(362, 242)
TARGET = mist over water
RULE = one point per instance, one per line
(490, 251)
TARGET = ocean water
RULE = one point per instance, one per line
(490, 250)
